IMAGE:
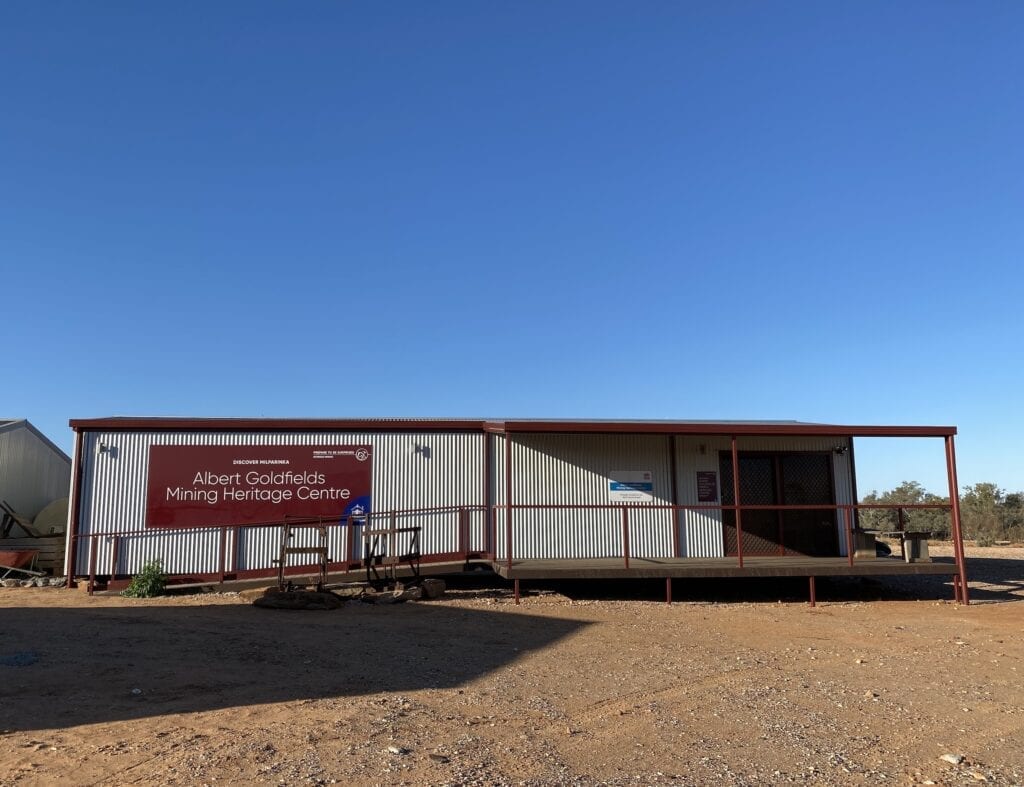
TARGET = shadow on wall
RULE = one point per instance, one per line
(64, 667)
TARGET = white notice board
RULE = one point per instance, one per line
(630, 486)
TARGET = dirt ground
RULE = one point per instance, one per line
(581, 684)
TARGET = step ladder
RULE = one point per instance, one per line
(319, 552)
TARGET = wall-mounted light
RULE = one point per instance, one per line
(839, 450)
(422, 450)
(103, 448)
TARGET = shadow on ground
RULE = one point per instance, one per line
(69, 666)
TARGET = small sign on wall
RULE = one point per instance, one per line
(707, 486)
(631, 486)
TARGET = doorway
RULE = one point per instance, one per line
(781, 478)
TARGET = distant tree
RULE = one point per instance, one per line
(987, 513)
(981, 511)
(1013, 516)
(936, 520)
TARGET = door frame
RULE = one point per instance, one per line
(779, 491)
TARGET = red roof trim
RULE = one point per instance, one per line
(275, 424)
(737, 428)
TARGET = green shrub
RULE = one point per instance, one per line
(149, 582)
(986, 541)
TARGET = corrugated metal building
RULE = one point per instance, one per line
(209, 496)
(425, 473)
(33, 471)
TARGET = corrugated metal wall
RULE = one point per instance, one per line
(448, 473)
(559, 469)
(701, 531)
(548, 469)
(32, 473)
(573, 469)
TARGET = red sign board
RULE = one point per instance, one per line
(209, 485)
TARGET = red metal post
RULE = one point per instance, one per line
(71, 559)
(736, 500)
(115, 543)
(92, 564)
(515, 585)
(392, 525)
(849, 535)
(813, 599)
(236, 548)
(223, 552)
(954, 502)
(625, 535)
(668, 590)
(675, 495)
(900, 526)
(508, 502)
(485, 498)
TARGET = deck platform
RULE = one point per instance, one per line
(707, 568)
(614, 568)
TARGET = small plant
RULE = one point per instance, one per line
(986, 540)
(149, 582)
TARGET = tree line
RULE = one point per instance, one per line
(987, 513)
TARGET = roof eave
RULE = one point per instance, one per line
(737, 429)
(272, 424)
(732, 429)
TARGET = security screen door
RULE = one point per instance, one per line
(784, 478)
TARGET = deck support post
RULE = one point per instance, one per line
(954, 505)
(811, 583)
(515, 591)
(736, 500)
(668, 590)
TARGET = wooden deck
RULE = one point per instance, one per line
(707, 568)
(614, 568)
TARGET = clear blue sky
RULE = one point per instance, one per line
(533, 209)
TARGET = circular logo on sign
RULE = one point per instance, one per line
(362, 454)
